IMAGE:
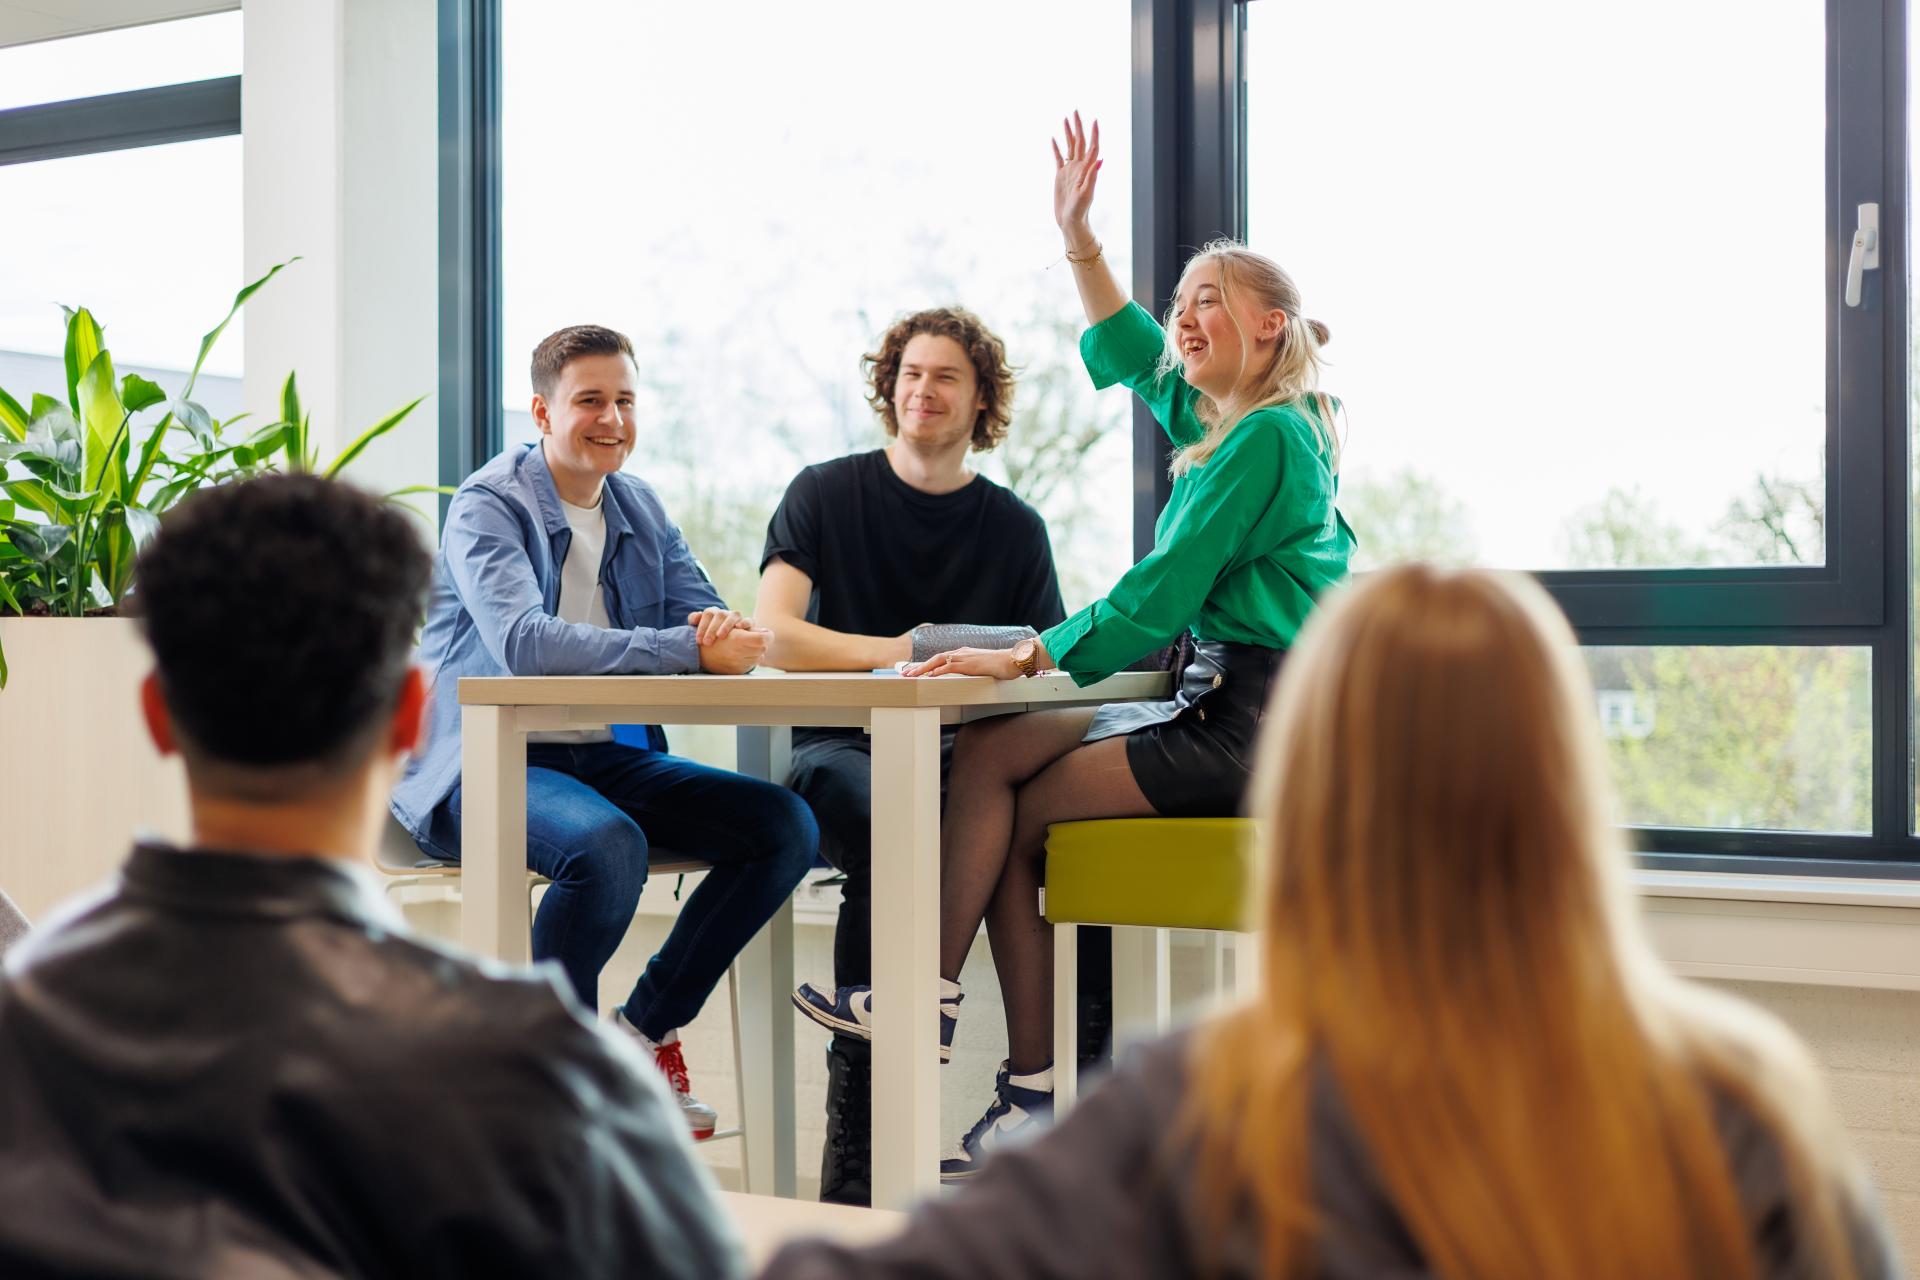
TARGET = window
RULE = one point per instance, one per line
(162, 53)
(1576, 275)
(1585, 268)
(1586, 274)
(753, 252)
(115, 214)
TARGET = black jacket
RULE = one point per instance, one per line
(229, 1065)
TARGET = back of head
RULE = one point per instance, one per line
(1449, 933)
(281, 613)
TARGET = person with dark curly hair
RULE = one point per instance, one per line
(235, 1060)
(860, 551)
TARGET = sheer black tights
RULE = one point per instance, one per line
(1011, 777)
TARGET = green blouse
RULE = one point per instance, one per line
(1247, 542)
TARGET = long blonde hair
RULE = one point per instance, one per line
(1292, 373)
(1451, 941)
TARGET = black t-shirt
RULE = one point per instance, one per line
(885, 557)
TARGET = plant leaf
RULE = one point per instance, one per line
(142, 524)
(213, 336)
(40, 541)
(13, 419)
(34, 494)
(84, 341)
(104, 421)
(54, 419)
(368, 436)
(447, 489)
(149, 456)
(195, 419)
(136, 393)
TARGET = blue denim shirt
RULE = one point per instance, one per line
(496, 587)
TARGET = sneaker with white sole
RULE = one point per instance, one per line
(666, 1055)
(1022, 1106)
(849, 1011)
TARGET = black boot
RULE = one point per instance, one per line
(846, 1161)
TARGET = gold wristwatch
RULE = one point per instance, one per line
(1026, 656)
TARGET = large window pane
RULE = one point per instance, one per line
(148, 240)
(116, 61)
(1573, 258)
(1739, 737)
(755, 221)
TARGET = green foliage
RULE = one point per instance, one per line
(1763, 737)
(77, 502)
(1407, 516)
(1772, 738)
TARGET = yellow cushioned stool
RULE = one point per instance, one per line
(1144, 876)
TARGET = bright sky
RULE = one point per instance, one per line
(755, 201)
(148, 240)
(1561, 248)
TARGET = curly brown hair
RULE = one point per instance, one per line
(990, 369)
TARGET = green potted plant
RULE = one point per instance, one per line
(83, 483)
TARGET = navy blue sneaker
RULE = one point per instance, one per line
(849, 1011)
(1022, 1105)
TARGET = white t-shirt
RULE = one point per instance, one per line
(581, 597)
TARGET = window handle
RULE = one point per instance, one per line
(1866, 250)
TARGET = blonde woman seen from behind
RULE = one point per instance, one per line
(1464, 1060)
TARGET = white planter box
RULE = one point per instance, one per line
(78, 775)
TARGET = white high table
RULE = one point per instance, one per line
(904, 717)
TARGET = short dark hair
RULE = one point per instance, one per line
(561, 348)
(281, 612)
(990, 368)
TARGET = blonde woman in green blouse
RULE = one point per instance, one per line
(1248, 541)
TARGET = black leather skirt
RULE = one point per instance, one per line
(1192, 756)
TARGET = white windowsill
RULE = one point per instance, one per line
(1808, 929)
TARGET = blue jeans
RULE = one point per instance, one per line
(592, 811)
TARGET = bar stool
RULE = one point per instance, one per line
(1144, 876)
(403, 864)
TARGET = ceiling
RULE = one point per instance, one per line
(24, 21)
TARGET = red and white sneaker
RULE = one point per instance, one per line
(666, 1055)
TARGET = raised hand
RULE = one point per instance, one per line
(1074, 175)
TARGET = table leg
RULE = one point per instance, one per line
(765, 1023)
(493, 835)
(906, 954)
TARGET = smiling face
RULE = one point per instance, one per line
(588, 423)
(936, 395)
(1214, 354)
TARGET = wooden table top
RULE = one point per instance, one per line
(803, 689)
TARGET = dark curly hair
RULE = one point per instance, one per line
(281, 613)
(990, 368)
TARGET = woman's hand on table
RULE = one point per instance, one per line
(997, 663)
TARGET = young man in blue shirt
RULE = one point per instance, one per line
(555, 562)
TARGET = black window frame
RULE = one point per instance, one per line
(1190, 167)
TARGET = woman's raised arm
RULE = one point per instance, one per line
(1074, 176)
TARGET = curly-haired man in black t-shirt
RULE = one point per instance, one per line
(860, 551)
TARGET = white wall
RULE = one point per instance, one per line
(339, 113)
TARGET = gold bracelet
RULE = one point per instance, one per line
(1090, 259)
